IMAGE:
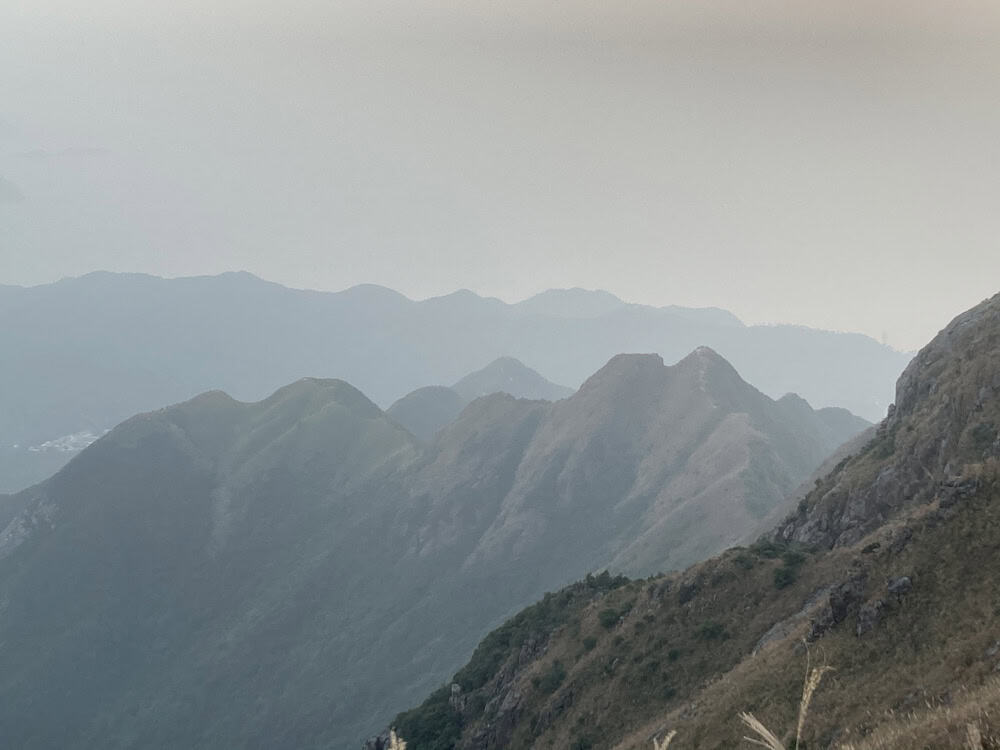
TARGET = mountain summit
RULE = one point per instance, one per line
(509, 375)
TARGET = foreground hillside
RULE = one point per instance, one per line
(83, 354)
(886, 572)
(290, 573)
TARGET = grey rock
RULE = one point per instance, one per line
(378, 742)
(841, 601)
(900, 539)
(869, 616)
(456, 700)
(951, 491)
(783, 628)
(900, 586)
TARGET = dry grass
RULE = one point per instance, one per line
(969, 723)
(765, 737)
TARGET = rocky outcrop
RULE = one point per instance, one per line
(843, 598)
(947, 415)
(506, 699)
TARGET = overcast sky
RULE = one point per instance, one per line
(830, 164)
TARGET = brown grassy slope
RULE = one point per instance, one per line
(674, 662)
(691, 651)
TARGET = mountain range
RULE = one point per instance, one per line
(879, 588)
(82, 354)
(290, 572)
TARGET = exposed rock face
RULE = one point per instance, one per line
(842, 600)
(899, 586)
(947, 413)
(869, 616)
(380, 741)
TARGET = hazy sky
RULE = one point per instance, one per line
(835, 164)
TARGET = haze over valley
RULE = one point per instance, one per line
(439, 375)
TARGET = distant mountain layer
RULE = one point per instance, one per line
(508, 375)
(82, 354)
(885, 571)
(289, 573)
(426, 410)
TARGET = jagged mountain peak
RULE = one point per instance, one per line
(636, 374)
(706, 361)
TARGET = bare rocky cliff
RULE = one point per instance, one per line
(947, 414)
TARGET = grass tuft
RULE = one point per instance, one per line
(765, 737)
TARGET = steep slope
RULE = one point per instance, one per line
(291, 572)
(183, 581)
(83, 354)
(426, 410)
(649, 467)
(508, 375)
(886, 571)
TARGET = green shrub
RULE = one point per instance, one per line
(608, 617)
(768, 548)
(712, 631)
(785, 576)
(589, 643)
(433, 726)
(792, 558)
(552, 679)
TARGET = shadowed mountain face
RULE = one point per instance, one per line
(887, 566)
(288, 573)
(508, 375)
(83, 354)
(426, 410)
